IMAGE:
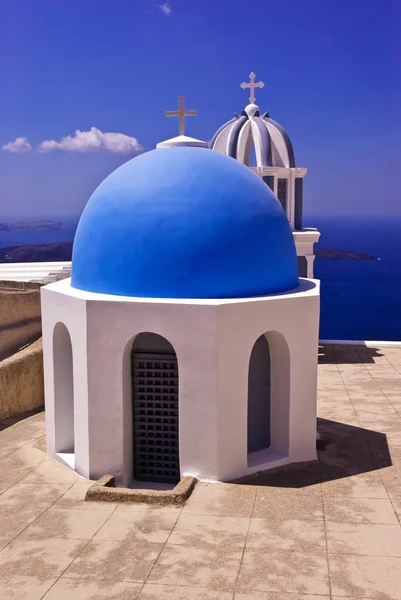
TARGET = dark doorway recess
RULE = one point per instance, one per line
(155, 409)
(259, 396)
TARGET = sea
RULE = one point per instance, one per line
(360, 299)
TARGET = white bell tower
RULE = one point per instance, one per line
(275, 164)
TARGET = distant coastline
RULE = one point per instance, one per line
(41, 225)
(36, 253)
(63, 250)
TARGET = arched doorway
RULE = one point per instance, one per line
(155, 409)
(259, 393)
(63, 390)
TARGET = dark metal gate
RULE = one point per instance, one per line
(282, 192)
(155, 389)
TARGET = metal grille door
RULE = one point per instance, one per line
(282, 192)
(155, 387)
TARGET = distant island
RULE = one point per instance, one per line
(36, 253)
(63, 250)
(29, 225)
(343, 254)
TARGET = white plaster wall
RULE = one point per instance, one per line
(58, 307)
(213, 340)
(296, 318)
(112, 327)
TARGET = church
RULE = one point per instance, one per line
(185, 342)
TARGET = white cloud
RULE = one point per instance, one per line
(93, 140)
(19, 145)
(166, 8)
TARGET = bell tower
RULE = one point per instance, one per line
(275, 164)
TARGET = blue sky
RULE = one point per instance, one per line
(329, 66)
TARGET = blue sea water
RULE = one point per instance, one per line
(38, 236)
(360, 299)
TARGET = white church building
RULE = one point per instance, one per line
(184, 343)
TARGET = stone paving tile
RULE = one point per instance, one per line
(75, 589)
(154, 591)
(193, 530)
(141, 506)
(334, 403)
(280, 596)
(66, 523)
(286, 535)
(12, 523)
(359, 399)
(29, 494)
(74, 498)
(11, 443)
(395, 455)
(221, 499)
(52, 471)
(393, 439)
(13, 474)
(391, 478)
(364, 538)
(28, 454)
(388, 383)
(291, 572)
(368, 410)
(363, 386)
(25, 588)
(44, 558)
(359, 510)
(115, 561)
(397, 507)
(382, 423)
(364, 485)
(375, 577)
(4, 540)
(327, 396)
(204, 566)
(343, 417)
(343, 413)
(5, 485)
(289, 503)
(18, 435)
(140, 526)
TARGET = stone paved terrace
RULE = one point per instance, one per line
(328, 529)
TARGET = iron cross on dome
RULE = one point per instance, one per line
(181, 113)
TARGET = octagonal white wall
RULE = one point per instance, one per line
(213, 340)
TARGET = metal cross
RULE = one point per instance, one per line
(252, 85)
(181, 113)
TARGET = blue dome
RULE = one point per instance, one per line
(184, 223)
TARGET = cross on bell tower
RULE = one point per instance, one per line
(181, 113)
(252, 85)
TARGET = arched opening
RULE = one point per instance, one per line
(63, 391)
(155, 409)
(269, 380)
(250, 154)
(259, 393)
(282, 192)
